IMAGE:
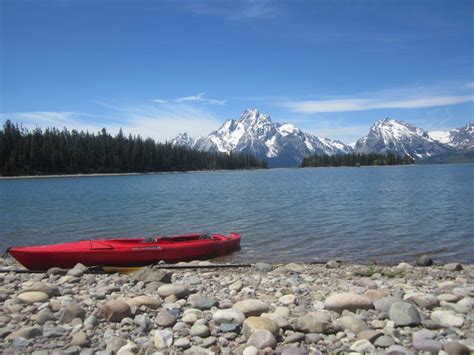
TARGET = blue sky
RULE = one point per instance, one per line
(157, 68)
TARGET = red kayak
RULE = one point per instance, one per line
(126, 252)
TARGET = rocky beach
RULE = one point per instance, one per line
(289, 309)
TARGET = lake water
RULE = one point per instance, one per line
(388, 214)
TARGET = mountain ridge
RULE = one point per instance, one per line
(284, 145)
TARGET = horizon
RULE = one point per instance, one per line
(185, 133)
(160, 68)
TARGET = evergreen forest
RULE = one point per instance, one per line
(54, 151)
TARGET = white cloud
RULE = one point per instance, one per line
(159, 101)
(161, 123)
(469, 85)
(362, 104)
(201, 97)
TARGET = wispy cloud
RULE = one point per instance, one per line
(469, 85)
(201, 97)
(235, 10)
(162, 122)
(362, 104)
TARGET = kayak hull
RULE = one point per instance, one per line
(125, 252)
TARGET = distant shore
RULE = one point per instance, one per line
(64, 176)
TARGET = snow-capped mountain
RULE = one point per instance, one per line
(398, 137)
(183, 139)
(459, 138)
(254, 133)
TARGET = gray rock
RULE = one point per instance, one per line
(404, 314)
(142, 321)
(44, 316)
(398, 350)
(384, 341)
(78, 270)
(263, 267)
(447, 319)
(165, 319)
(252, 324)
(201, 302)
(311, 324)
(424, 334)
(148, 274)
(347, 300)
(179, 291)
(363, 346)
(198, 350)
(427, 301)
(262, 339)
(352, 323)
(56, 271)
(114, 311)
(27, 333)
(229, 327)
(251, 307)
(72, 350)
(199, 330)
(430, 345)
(163, 339)
(5, 331)
(91, 321)
(333, 264)
(20, 343)
(182, 343)
(71, 311)
(313, 338)
(232, 316)
(453, 267)
(424, 260)
(114, 343)
(456, 348)
(80, 339)
(384, 304)
(292, 350)
(294, 337)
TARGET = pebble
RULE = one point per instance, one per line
(163, 339)
(165, 319)
(456, 348)
(178, 291)
(362, 346)
(424, 260)
(115, 311)
(347, 301)
(430, 345)
(230, 315)
(262, 339)
(251, 307)
(447, 319)
(199, 330)
(71, 311)
(252, 324)
(33, 297)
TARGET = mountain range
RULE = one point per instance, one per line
(284, 145)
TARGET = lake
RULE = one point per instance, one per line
(387, 214)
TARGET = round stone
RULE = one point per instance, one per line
(347, 300)
(115, 311)
(178, 291)
(33, 297)
(251, 307)
(232, 316)
(456, 348)
(262, 339)
(199, 330)
(163, 339)
(424, 260)
(252, 324)
(430, 345)
(165, 319)
(447, 319)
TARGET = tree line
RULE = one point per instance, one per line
(355, 159)
(54, 151)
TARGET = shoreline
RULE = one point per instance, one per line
(300, 309)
